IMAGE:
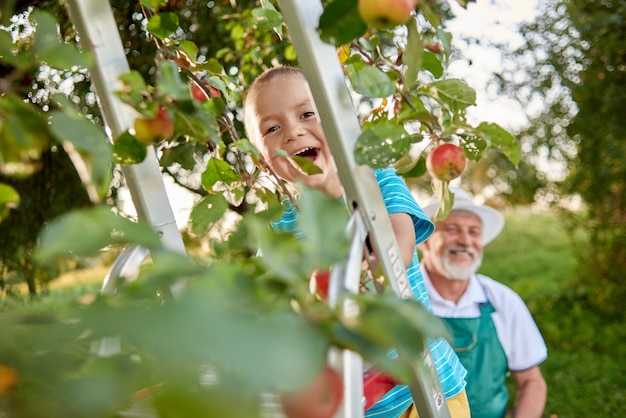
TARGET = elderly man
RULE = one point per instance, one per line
(493, 331)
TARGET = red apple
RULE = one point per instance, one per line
(434, 47)
(446, 162)
(321, 398)
(214, 92)
(386, 14)
(182, 62)
(198, 93)
(154, 129)
(319, 282)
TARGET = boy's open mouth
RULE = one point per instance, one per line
(310, 153)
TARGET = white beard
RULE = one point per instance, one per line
(459, 273)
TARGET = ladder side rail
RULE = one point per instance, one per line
(321, 65)
(347, 276)
(319, 62)
(98, 31)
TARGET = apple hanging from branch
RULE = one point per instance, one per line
(152, 130)
(321, 398)
(386, 14)
(202, 94)
(446, 161)
(320, 280)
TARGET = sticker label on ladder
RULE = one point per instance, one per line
(396, 260)
(398, 269)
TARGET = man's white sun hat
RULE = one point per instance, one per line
(492, 220)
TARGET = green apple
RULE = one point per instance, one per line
(154, 129)
(386, 14)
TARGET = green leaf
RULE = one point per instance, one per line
(207, 211)
(306, 165)
(412, 57)
(190, 49)
(381, 144)
(323, 221)
(341, 22)
(102, 385)
(431, 15)
(446, 40)
(386, 321)
(464, 3)
(182, 154)
(91, 143)
(237, 31)
(128, 150)
(23, 135)
(398, 316)
(22, 60)
(499, 137)
(236, 324)
(431, 63)
(370, 81)
(246, 146)
(267, 19)
(441, 191)
(418, 170)
(281, 253)
(474, 145)
(213, 66)
(195, 126)
(216, 171)
(49, 48)
(9, 198)
(163, 25)
(290, 53)
(417, 112)
(455, 90)
(218, 83)
(134, 92)
(85, 232)
(169, 82)
(154, 5)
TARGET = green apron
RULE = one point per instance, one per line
(478, 347)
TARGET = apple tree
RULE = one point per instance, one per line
(208, 335)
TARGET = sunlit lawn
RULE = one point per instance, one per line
(585, 369)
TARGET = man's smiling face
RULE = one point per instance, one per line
(455, 249)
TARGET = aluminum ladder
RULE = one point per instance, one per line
(96, 26)
(321, 65)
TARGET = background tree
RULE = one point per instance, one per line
(572, 67)
(49, 192)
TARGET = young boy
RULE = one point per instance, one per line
(280, 115)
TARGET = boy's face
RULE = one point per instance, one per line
(284, 118)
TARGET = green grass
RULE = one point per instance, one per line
(585, 372)
(585, 369)
(532, 254)
(53, 300)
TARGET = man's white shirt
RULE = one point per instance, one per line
(517, 331)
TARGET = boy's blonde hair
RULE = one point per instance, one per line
(264, 78)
